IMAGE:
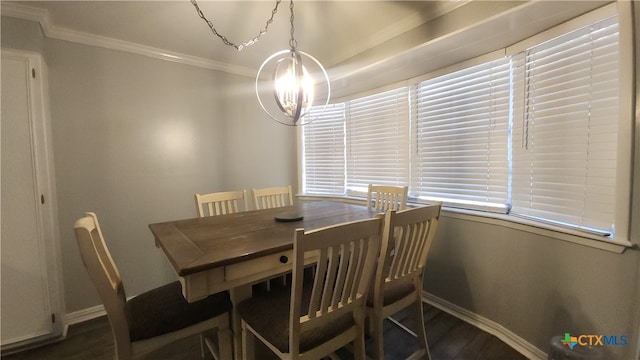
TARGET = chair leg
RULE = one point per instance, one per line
(377, 333)
(202, 345)
(248, 344)
(359, 352)
(422, 333)
(368, 324)
(225, 344)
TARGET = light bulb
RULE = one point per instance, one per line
(293, 87)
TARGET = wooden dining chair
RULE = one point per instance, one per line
(397, 284)
(272, 197)
(155, 318)
(220, 203)
(321, 313)
(387, 197)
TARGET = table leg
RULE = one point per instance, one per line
(238, 294)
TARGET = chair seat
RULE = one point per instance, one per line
(268, 314)
(393, 292)
(164, 309)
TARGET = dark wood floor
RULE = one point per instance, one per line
(449, 338)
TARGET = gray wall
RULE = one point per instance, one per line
(536, 286)
(134, 138)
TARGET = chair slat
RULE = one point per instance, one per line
(346, 280)
(273, 197)
(387, 197)
(360, 254)
(221, 203)
(329, 281)
(316, 293)
(341, 273)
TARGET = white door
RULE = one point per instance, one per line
(29, 278)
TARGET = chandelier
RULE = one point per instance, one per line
(297, 82)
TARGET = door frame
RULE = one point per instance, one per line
(40, 123)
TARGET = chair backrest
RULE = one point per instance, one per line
(104, 275)
(406, 240)
(272, 197)
(346, 255)
(387, 197)
(221, 203)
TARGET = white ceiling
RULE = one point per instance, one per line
(330, 30)
(360, 39)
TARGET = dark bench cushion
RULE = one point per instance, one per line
(164, 309)
(268, 314)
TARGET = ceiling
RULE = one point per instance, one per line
(363, 40)
(329, 30)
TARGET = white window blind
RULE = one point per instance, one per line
(324, 151)
(462, 137)
(378, 140)
(565, 128)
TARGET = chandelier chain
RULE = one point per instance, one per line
(249, 42)
(292, 41)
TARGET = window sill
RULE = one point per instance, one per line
(572, 236)
(533, 227)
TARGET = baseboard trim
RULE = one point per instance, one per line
(516, 342)
(75, 317)
(84, 315)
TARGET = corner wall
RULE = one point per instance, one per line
(135, 138)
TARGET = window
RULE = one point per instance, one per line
(543, 133)
(566, 128)
(324, 152)
(462, 137)
(378, 140)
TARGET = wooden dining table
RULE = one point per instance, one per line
(231, 252)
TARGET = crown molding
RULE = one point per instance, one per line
(25, 12)
(54, 32)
